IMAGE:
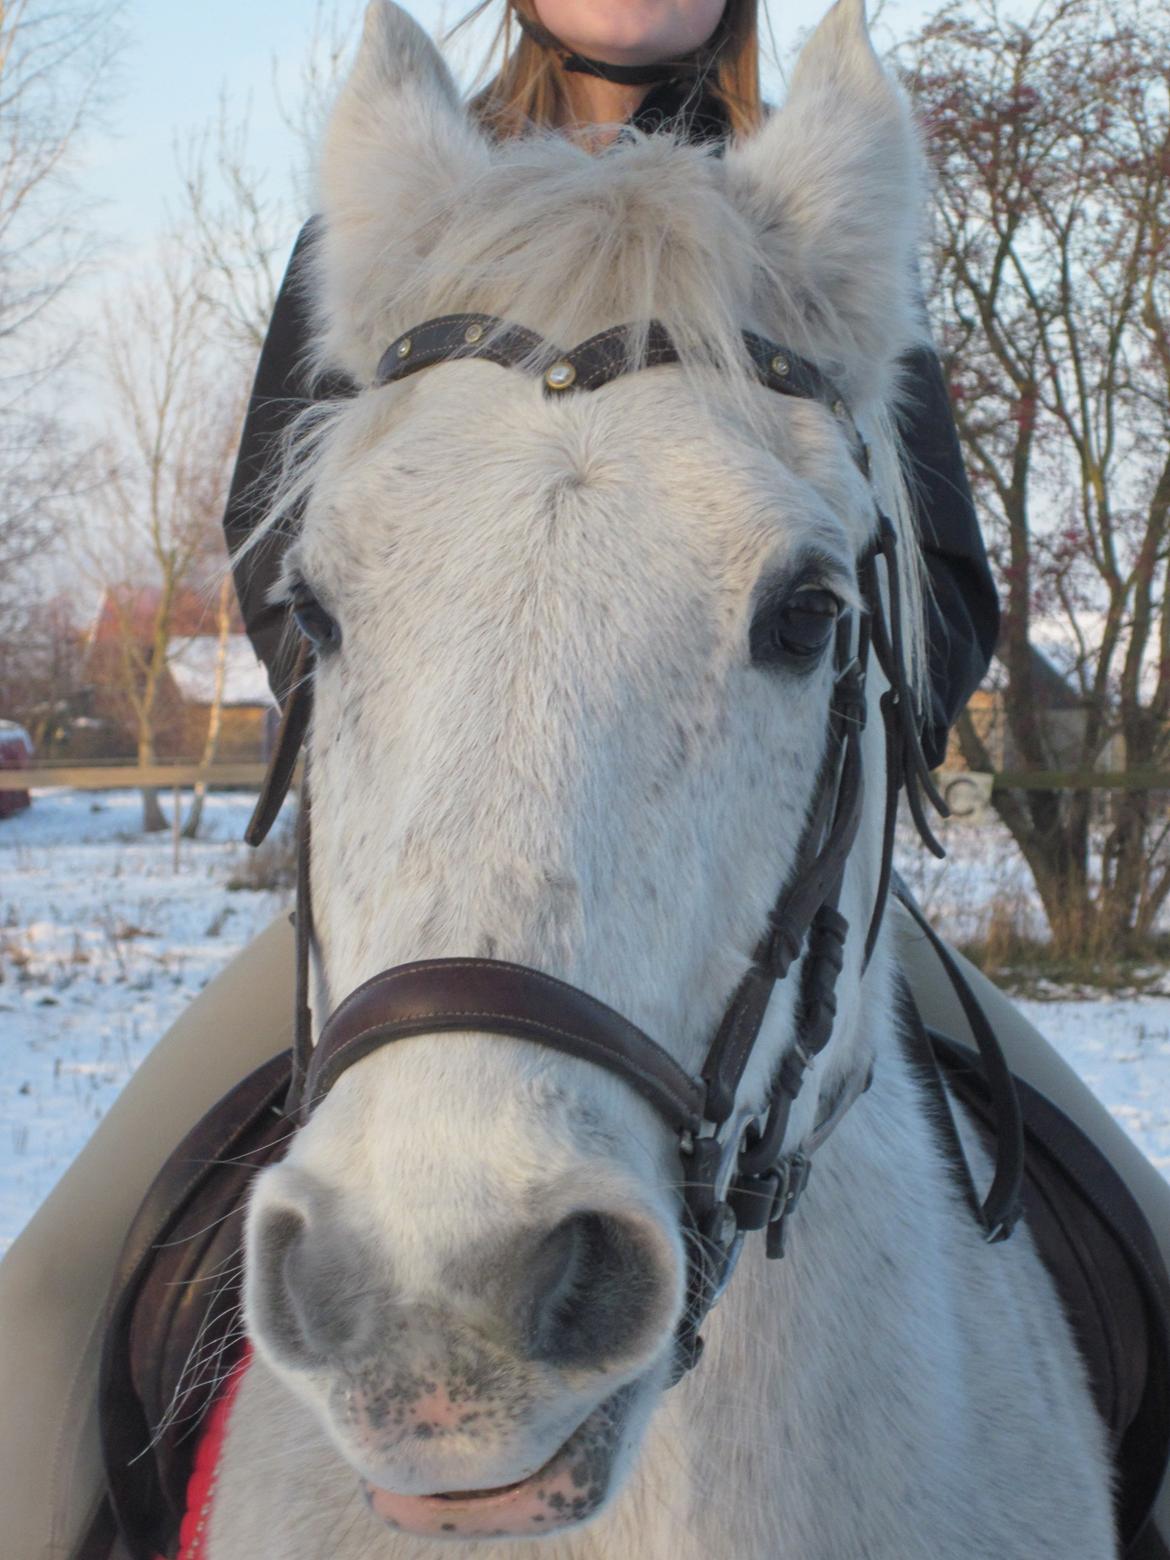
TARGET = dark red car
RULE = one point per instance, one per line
(15, 752)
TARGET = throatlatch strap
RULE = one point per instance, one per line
(891, 654)
(302, 1046)
(293, 725)
(1000, 1209)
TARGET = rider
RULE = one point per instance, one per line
(687, 66)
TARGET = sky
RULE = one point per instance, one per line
(181, 55)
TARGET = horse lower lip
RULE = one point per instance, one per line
(564, 1491)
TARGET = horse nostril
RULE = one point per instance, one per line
(313, 1291)
(594, 1290)
(277, 1239)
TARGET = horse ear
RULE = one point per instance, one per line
(833, 187)
(397, 145)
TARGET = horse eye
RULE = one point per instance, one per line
(321, 630)
(796, 630)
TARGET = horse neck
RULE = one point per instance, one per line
(854, 1328)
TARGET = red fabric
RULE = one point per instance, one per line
(201, 1486)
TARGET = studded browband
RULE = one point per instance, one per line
(599, 360)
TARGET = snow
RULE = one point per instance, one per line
(102, 944)
(191, 663)
(983, 878)
(1120, 1045)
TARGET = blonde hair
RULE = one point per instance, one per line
(528, 88)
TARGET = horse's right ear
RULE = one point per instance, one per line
(834, 187)
(397, 146)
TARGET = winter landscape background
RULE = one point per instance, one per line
(102, 943)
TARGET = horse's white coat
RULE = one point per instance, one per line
(543, 740)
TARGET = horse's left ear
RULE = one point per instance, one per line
(397, 147)
(833, 186)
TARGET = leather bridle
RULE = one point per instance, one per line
(738, 1172)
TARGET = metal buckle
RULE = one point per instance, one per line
(714, 1158)
(715, 1150)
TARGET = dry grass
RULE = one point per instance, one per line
(272, 865)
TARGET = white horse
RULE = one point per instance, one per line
(543, 738)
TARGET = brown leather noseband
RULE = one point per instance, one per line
(737, 1172)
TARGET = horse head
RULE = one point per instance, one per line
(574, 666)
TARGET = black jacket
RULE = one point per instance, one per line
(963, 609)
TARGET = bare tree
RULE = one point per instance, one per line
(239, 227)
(176, 402)
(241, 218)
(304, 107)
(56, 66)
(1051, 138)
(223, 622)
(42, 668)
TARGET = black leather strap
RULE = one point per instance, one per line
(492, 996)
(620, 75)
(449, 337)
(1000, 1209)
(598, 360)
(294, 723)
(828, 840)
(302, 1047)
(889, 645)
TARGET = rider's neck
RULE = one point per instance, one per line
(598, 108)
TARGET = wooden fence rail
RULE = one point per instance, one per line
(1081, 780)
(118, 777)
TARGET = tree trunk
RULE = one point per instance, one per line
(153, 817)
(215, 713)
(1052, 834)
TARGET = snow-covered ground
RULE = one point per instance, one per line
(1119, 1045)
(102, 943)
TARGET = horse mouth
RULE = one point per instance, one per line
(493, 1490)
(568, 1489)
(499, 1489)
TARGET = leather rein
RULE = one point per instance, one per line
(738, 1172)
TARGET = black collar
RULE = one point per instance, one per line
(679, 102)
(691, 65)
